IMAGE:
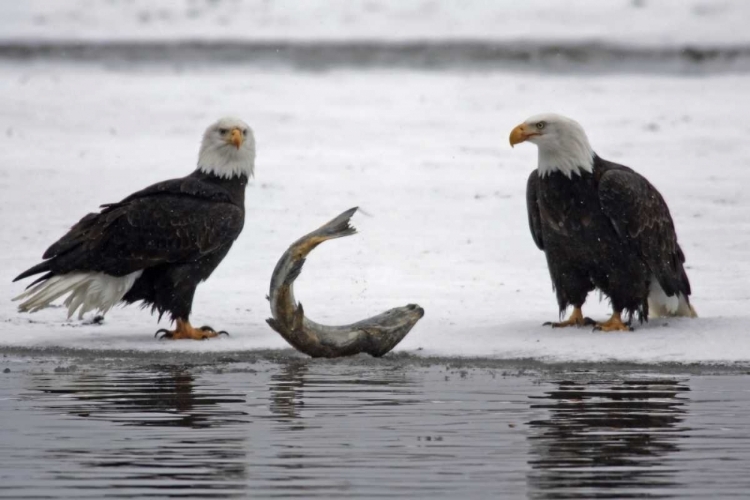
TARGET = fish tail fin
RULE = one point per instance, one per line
(337, 227)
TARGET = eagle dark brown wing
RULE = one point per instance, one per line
(532, 207)
(641, 218)
(165, 223)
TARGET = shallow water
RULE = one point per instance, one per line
(311, 429)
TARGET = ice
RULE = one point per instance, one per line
(426, 157)
(652, 23)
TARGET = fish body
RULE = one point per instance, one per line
(375, 336)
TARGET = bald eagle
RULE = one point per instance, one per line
(601, 226)
(156, 245)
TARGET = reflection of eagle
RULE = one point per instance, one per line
(157, 244)
(593, 434)
(601, 225)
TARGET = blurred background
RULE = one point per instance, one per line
(641, 22)
(480, 32)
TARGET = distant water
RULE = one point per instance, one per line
(310, 429)
(436, 55)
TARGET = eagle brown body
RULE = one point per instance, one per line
(177, 232)
(156, 245)
(601, 226)
(609, 230)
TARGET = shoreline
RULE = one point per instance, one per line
(316, 55)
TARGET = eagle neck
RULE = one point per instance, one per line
(234, 186)
(573, 157)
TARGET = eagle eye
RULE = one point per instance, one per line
(540, 125)
(244, 131)
(223, 131)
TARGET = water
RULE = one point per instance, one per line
(295, 428)
(471, 55)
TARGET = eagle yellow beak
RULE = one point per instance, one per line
(521, 133)
(236, 138)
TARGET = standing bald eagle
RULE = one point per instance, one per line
(601, 225)
(157, 244)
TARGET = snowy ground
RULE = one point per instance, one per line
(650, 23)
(425, 155)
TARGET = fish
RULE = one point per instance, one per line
(375, 336)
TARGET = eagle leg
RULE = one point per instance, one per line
(613, 324)
(185, 330)
(575, 319)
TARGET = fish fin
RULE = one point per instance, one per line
(298, 319)
(339, 226)
(275, 325)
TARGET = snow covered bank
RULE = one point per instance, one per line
(607, 35)
(707, 341)
(424, 155)
(652, 23)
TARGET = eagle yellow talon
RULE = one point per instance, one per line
(207, 328)
(613, 324)
(575, 319)
(185, 330)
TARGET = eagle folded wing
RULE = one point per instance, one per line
(532, 207)
(641, 218)
(145, 232)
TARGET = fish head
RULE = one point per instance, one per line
(405, 316)
(388, 329)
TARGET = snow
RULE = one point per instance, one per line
(426, 157)
(652, 23)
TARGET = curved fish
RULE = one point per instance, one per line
(375, 336)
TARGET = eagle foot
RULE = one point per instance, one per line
(613, 324)
(185, 330)
(575, 319)
(209, 329)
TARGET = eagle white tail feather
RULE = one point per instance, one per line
(88, 291)
(661, 306)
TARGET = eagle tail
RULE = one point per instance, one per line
(661, 305)
(39, 268)
(88, 291)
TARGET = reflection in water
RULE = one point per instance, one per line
(296, 388)
(606, 439)
(186, 442)
(318, 414)
(153, 399)
(327, 429)
(286, 392)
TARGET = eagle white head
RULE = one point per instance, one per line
(228, 149)
(562, 143)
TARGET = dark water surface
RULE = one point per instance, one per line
(309, 429)
(312, 55)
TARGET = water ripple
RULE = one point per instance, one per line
(304, 429)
